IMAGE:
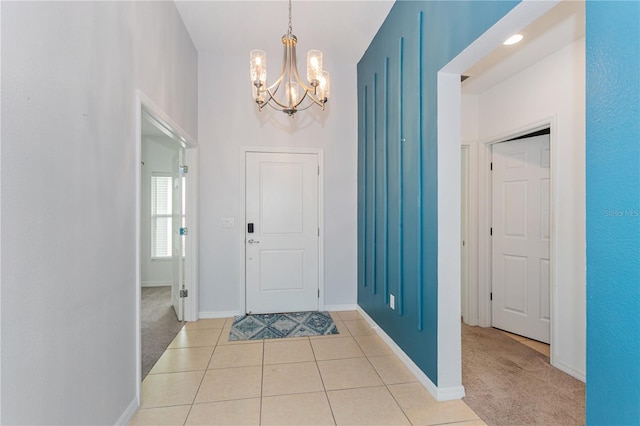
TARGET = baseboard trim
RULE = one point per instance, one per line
(473, 323)
(336, 308)
(227, 314)
(440, 394)
(155, 284)
(580, 375)
(450, 393)
(128, 414)
(218, 314)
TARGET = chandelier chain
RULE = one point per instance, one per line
(290, 31)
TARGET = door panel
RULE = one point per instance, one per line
(282, 251)
(177, 239)
(515, 274)
(515, 208)
(545, 218)
(282, 198)
(281, 270)
(521, 231)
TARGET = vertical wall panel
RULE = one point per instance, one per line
(415, 41)
(362, 185)
(374, 187)
(386, 180)
(400, 293)
(420, 297)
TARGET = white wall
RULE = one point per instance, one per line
(69, 75)
(470, 120)
(228, 119)
(551, 90)
(157, 155)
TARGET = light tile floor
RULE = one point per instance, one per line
(352, 378)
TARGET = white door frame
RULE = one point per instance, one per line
(243, 176)
(485, 211)
(486, 203)
(449, 123)
(470, 315)
(191, 244)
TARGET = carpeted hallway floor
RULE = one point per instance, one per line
(508, 383)
(160, 325)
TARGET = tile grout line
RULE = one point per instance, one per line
(326, 395)
(458, 423)
(386, 386)
(377, 373)
(261, 385)
(398, 404)
(203, 375)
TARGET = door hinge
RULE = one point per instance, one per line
(184, 293)
(318, 232)
(318, 293)
(491, 166)
(184, 169)
(490, 231)
(491, 296)
(318, 170)
(184, 231)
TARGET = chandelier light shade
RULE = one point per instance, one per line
(314, 67)
(297, 95)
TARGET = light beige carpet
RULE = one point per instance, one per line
(159, 325)
(508, 383)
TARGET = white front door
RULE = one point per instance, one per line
(521, 234)
(281, 232)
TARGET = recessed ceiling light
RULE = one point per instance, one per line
(513, 39)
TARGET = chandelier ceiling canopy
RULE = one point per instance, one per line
(297, 95)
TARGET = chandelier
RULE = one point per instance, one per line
(298, 95)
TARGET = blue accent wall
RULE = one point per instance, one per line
(397, 232)
(397, 165)
(613, 212)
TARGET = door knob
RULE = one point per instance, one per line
(252, 241)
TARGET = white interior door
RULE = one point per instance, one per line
(521, 234)
(177, 238)
(281, 232)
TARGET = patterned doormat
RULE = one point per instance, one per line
(276, 326)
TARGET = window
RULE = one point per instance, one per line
(161, 217)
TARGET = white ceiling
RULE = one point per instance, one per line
(342, 30)
(557, 28)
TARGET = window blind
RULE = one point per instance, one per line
(161, 215)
